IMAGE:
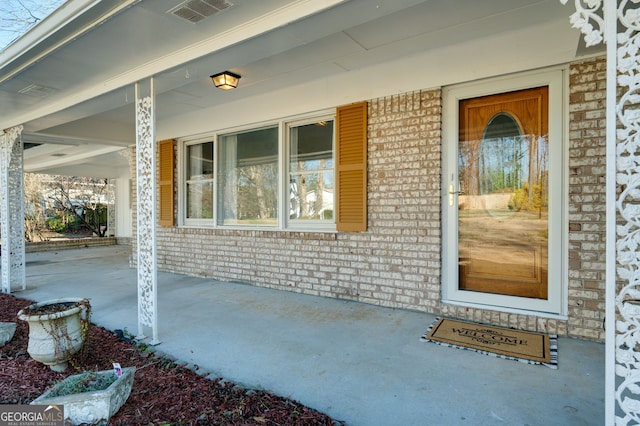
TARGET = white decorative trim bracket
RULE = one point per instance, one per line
(623, 196)
(587, 13)
(12, 210)
(627, 300)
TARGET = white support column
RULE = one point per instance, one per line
(123, 201)
(12, 210)
(610, 8)
(111, 209)
(622, 388)
(625, 228)
(146, 213)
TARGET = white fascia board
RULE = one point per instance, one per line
(51, 139)
(280, 17)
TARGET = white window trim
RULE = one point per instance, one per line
(182, 182)
(312, 225)
(283, 223)
(557, 304)
(219, 136)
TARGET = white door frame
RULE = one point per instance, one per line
(556, 305)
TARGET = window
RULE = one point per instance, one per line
(279, 176)
(311, 172)
(248, 178)
(200, 180)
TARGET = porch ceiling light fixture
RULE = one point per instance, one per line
(225, 80)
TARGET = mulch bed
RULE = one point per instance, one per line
(163, 392)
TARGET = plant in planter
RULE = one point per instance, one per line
(90, 397)
(57, 330)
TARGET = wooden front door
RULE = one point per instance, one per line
(503, 198)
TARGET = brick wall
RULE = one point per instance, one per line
(397, 261)
(587, 176)
(51, 245)
(392, 264)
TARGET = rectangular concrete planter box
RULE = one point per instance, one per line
(95, 406)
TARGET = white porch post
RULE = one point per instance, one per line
(609, 11)
(12, 210)
(146, 213)
(622, 388)
(111, 209)
(624, 74)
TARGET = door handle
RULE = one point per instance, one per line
(452, 193)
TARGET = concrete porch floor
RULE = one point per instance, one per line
(360, 364)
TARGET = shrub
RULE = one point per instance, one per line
(56, 224)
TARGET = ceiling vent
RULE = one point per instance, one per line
(195, 11)
(36, 90)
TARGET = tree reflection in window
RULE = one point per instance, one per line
(311, 171)
(507, 161)
(248, 178)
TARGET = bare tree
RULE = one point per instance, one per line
(58, 203)
(83, 198)
(18, 16)
(34, 208)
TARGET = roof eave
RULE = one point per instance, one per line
(70, 21)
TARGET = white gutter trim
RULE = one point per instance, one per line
(295, 11)
(53, 139)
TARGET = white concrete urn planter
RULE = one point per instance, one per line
(57, 330)
(94, 405)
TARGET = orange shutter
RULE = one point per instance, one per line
(165, 182)
(351, 168)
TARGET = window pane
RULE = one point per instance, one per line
(200, 200)
(309, 144)
(200, 161)
(200, 181)
(311, 179)
(311, 196)
(248, 178)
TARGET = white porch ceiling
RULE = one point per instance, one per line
(82, 92)
(63, 155)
